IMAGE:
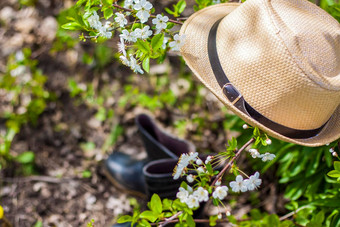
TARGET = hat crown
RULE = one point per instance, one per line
(283, 56)
(312, 37)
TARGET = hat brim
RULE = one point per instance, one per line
(195, 54)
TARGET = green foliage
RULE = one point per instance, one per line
(64, 39)
(336, 172)
(332, 7)
(178, 8)
(38, 224)
(201, 4)
(86, 174)
(26, 97)
(28, 2)
(90, 223)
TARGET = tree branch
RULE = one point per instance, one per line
(153, 16)
(232, 160)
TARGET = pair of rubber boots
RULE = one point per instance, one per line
(153, 174)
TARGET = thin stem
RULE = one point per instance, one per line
(232, 160)
(293, 212)
(225, 220)
(7, 223)
(171, 219)
(152, 16)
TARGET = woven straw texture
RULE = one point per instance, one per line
(282, 55)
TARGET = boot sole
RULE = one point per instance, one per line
(122, 187)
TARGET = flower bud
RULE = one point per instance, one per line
(331, 150)
(245, 126)
(219, 216)
(335, 154)
(268, 141)
(190, 178)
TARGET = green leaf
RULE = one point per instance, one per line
(157, 41)
(317, 220)
(190, 221)
(167, 204)
(334, 173)
(108, 13)
(212, 220)
(181, 6)
(232, 144)
(144, 223)
(86, 174)
(337, 165)
(148, 214)
(272, 220)
(215, 202)
(143, 46)
(156, 204)
(38, 224)
(255, 214)
(80, 2)
(125, 218)
(170, 25)
(72, 26)
(327, 202)
(25, 157)
(146, 64)
(169, 11)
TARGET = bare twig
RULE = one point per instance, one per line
(6, 222)
(153, 16)
(220, 174)
(47, 179)
(293, 212)
(171, 219)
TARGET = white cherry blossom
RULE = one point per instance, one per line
(121, 46)
(268, 141)
(177, 43)
(120, 19)
(201, 194)
(199, 162)
(103, 32)
(192, 202)
(134, 65)
(143, 8)
(160, 21)
(182, 195)
(254, 153)
(124, 60)
(94, 21)
(209, 158)
(220, 192)
(165, 41)
(183, 162)
(200, 170)
(267, 157)
(190, 178)
(253, 182)
(238, 185)
(128, 4)
(127, 36)
(144, 33)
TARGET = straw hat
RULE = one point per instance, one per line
(275, 63)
